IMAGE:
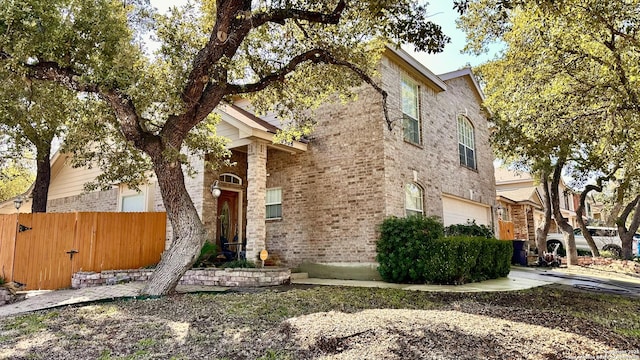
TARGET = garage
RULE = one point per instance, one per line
(459, 211)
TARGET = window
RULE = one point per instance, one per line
(410, 111)
(133, 203)
(413, 200)
(274, 203)
(466, 143)
(230, 179)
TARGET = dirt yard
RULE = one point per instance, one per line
(335, 323)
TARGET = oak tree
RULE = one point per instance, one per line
(286, 56)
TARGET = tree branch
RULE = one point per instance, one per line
(315, 56)
(280, 15)
(122, 105)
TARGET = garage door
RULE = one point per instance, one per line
(456, 211)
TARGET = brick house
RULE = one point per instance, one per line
(322, 200)
(519, 200)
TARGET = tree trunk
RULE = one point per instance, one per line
(563, 224)
(543, 230)
(626, 235)
(188, 230)
(43, 178)
(583, 227)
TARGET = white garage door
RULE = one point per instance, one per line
(456, 211)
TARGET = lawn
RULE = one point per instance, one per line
(296, 322)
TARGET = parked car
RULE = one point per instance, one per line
(605, 238)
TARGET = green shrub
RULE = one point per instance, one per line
(414, 250)
(402, 246)
(469, 229)
(207, 255)
(235, 264)
(584, 252)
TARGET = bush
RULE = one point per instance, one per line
(207, 256)
(469, 229)
(415, 250)
(236, 264)
(402, 246)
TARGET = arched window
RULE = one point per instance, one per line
(230, 179)
(413, 203)
(466, 143)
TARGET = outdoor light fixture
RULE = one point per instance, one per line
(215, 189)
(18, 202)
(500, 211)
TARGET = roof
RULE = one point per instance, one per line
(518, 195)
(525, 195)
(419, 69)
(248, 118)
(505, 175)
(461, 73)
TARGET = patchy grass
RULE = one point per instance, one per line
(30, 323)
(248, 325)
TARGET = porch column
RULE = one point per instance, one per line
(256, 189)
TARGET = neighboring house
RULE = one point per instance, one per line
(519, 200)
(322, 200)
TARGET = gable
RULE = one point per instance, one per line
(469, 79)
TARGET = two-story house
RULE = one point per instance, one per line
(322, 200)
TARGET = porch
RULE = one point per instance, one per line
(236, 202)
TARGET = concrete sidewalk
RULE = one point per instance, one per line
(516, 280)
(519, 279)
(47, 299)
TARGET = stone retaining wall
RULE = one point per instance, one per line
(204, 277)
(625, 266)
(5, 296)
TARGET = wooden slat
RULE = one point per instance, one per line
(41, 258)
(104, 241)
(8, 225)
(506, 230)
(128, 240)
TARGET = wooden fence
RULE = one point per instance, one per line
(505, 230)
(44, 250)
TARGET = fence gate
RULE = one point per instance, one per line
(43, 250)
(41, 258)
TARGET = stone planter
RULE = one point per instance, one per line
(204, 277)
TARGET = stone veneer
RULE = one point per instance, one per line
(608, 264)
(202, 277)
(7, 297)
(103, 201)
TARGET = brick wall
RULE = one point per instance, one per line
(353, 175)
(332, 194)
(519, 215)
(103, 201)
(435, 163)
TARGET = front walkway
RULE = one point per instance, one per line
(518, 279)
(47, 299)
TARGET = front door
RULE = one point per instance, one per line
(227, 224)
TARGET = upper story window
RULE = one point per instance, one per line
(413, 200)
(273, 201)
(466, 143)
(411, 110)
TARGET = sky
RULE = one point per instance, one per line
(441, 12)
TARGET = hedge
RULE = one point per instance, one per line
(415, 250)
